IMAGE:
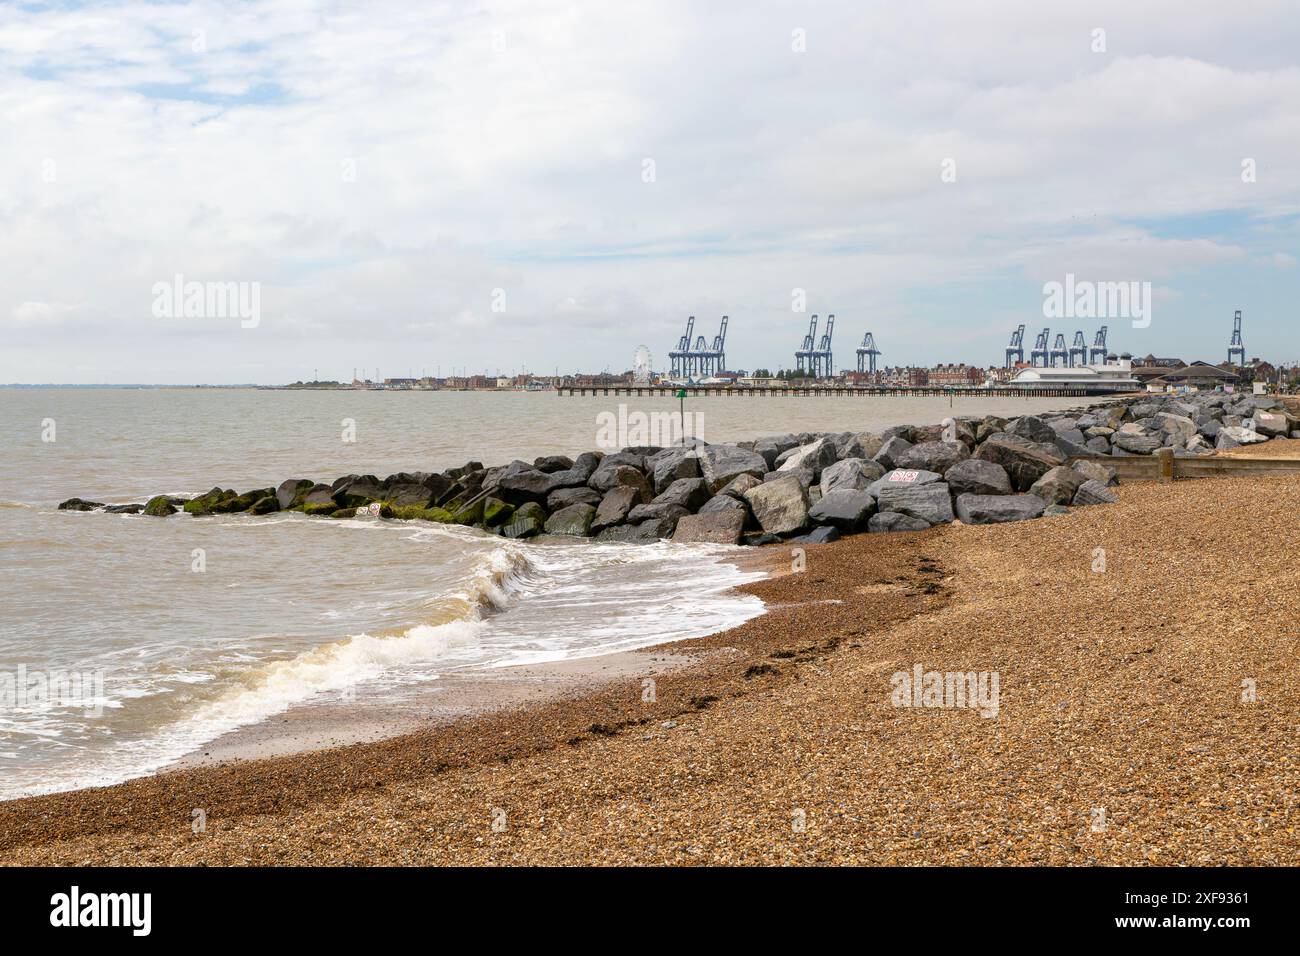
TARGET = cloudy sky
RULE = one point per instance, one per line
(430, 186)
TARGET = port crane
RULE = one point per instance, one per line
(1038, 354)
(1097, 355)
(1236, 347)
(1017, 348)
(867, 353)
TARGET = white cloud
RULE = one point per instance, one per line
(380, 170)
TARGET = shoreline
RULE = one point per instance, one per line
(315, 726)
(1127, 697)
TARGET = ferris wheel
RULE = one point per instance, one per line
(641, 363)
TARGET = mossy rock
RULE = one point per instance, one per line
(265, 506)
(343, 513)
(416, 513)
(209, 502)
(496, 512)
(528, 521)
(471, 515)
(320, 509)
(249, 498)
(159, 507)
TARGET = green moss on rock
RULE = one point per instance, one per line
(496, 512)
(159, 507)
(265, 505)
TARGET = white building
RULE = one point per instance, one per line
(1115, 375)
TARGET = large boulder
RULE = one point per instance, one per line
(264, 505)
(780, 506)
(1068, 430)
(903, 478)
(860, 445)
(1095, 471)
(77, 504)
(528, 521)
(358, 490)
(1230, 436)
(647, 532)
(574, 520)
(615, 506)
(1179, 426)
(1136, 440)
(584, 466)
(850, 473)
(820, 535)
(977, 477)
(848, 509)
(1033, 428)
(773, 447)
(931, 503)
(721, 502)
(672, 464)
(519, 482)
(553, 463)
(210, 502)
(1093, 492)
(159, 506)
(890, 451)
(689, 493)
(662, 511)
(995, 509)
(936, 456)
(292, 491)
(717, 527)
(1025, 461)
(1058, 485)
(813, 457)
(737, 486)
(606, 478)
(563, 497)
(419, 495)
(1272, 424)
(895, 521)
(719, 464)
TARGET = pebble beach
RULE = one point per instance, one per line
(1146, 656)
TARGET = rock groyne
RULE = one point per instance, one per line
(810, 487)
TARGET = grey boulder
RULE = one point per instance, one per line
(719, 464)
(1093, 492)
(847, 509)
(780, 506)
(996, 509)
(931, 503)
(850, 473)
(977, 477)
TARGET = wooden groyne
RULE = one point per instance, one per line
(804, 391)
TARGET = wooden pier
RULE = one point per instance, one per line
(803, 391)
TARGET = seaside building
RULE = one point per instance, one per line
(956, 375)
(1196, 375)
(1114, 375)
(904, 376)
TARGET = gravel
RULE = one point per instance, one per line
(1121, 697)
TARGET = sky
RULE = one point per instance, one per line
(425, 188)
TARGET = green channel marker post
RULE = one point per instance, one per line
(681, 405)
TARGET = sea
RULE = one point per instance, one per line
(128, 642)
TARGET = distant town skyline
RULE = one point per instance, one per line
(540, 185)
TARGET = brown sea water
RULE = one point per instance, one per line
(177, 650)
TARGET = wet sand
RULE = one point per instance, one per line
(1148, 713)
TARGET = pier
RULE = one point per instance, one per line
(803, 391)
